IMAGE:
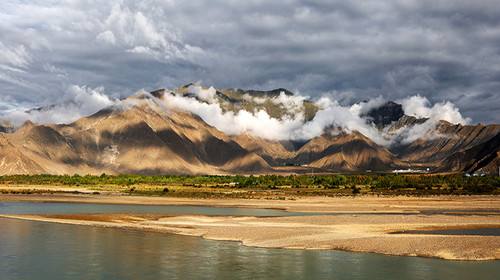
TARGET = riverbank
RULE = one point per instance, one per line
(361, 224)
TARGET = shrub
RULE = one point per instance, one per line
(355, 190)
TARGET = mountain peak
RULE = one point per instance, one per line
(386, 113)
(28, 124)
(142, 134)
(158, 93)
(259, 93)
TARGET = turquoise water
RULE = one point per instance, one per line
(37, 250)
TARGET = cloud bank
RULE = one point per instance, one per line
(331, 117)
(331, 114)
(77, 102)
(420, 107)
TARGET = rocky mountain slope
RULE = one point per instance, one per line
(446, 140)
(139, 139)
(346, 152)
(482, 158)
(143, 135)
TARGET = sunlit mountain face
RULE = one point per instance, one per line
(194, 129)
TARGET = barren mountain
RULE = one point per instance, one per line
(13, 161)
(274, 152)
(141, 138)
(386, 114)
(445, 140)
(484, 157)
(346, 152)
(143, 134)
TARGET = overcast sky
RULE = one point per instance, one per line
(353, 50)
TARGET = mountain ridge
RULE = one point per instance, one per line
(142, 136)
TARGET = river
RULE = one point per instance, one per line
(39, 250)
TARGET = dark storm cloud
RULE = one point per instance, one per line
(354, 50)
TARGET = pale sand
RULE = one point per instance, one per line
(351, 232)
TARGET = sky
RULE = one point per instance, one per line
(52, 51)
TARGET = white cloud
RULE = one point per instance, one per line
(377, 48)
(89, 100)
(77, 102)
(107, 37)
(291, 103)
(137, 33)
(330, 115)
(257, 123)
(258, 100)
(14, 56)
(364, 107)
(348, 118)
(420, 107)
(80, 101)
(208, 95)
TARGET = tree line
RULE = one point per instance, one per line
(374, 181)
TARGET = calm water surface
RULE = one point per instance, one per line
(76, 208)
(465, 231)
(38, 250)
(89, 208)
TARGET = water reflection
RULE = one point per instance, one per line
(78, 208)
(36, 250)
(484, 231)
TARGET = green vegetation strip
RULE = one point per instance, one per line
(315, 185)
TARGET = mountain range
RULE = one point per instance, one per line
(142, 134)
